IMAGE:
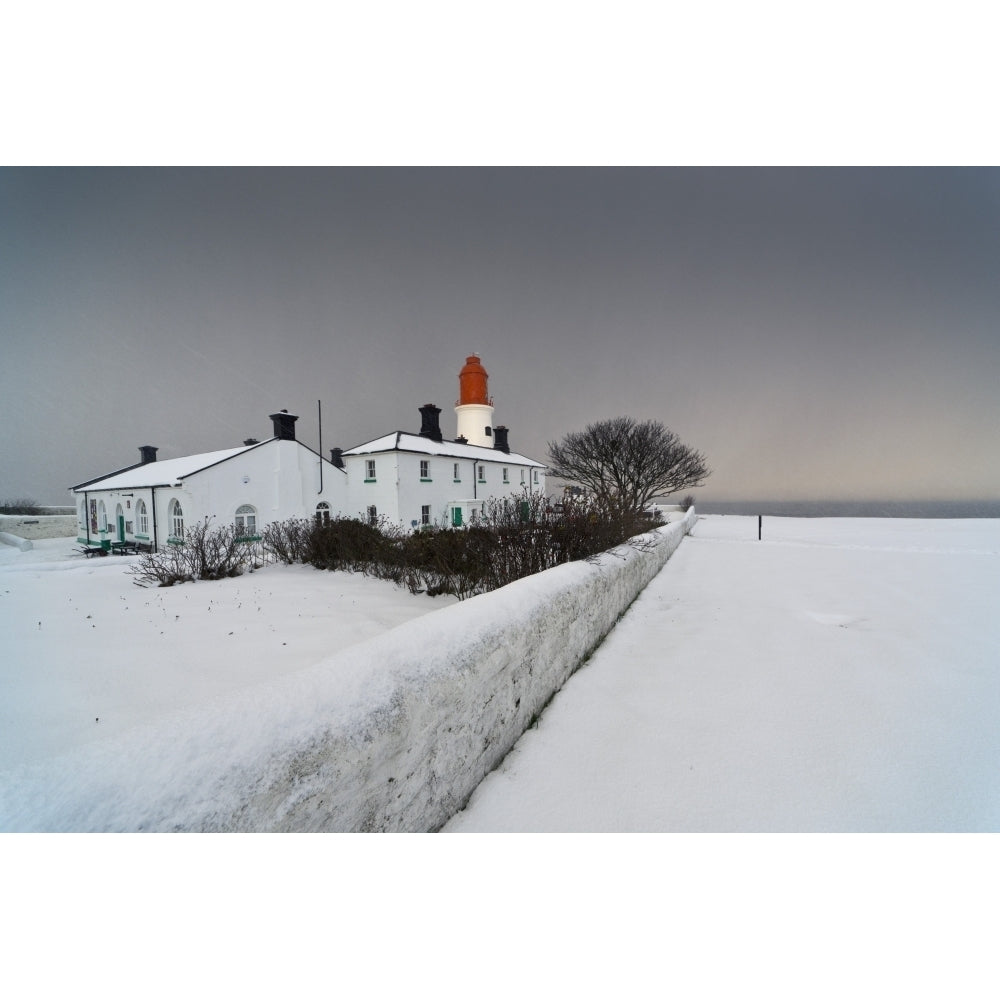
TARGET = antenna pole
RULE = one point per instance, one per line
(319, 414)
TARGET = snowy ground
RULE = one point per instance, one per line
(840, 675)
(86, 654)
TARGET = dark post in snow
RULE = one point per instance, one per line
(760, 526)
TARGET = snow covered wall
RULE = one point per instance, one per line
(40, 526)
(392, 734)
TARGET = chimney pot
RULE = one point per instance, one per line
(284, 425)
(147, 453)
(335, 457)
(430, 426)
(500, 439)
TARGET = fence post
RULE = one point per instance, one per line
(760, 526)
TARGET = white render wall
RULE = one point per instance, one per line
(280, 479)
(391, 734)
(399, 492)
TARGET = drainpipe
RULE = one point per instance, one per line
(152, 502)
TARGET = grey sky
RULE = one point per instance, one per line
(818, 333)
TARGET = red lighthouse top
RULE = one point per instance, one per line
(472, 382)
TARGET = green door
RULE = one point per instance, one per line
(456, 517)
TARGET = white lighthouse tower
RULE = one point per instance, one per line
(474, 410)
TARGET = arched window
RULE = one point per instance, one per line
(323, 512)
(142, 518)
(246, 521)
(102, 516)
(176, 517)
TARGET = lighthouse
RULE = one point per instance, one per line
(474, 409)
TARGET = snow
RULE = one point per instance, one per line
(161, 473)
(402, 441)
(838, 675)
(86, 654)
(392, 733)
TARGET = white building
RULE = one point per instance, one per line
(422, 479)
(408, 479)
(153, 503)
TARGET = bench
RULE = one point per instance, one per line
(123, 548)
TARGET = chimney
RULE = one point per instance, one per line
(148, 453)
(284, 425)
(461, 439)
(335, 457)
(250, 441)
(430, 426)
(500, 439)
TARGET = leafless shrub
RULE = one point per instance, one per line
(20, 505)
(287, 541)
(206, 554)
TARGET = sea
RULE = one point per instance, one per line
(854, 508)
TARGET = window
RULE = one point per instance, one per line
(455, 474)
(536, 477)
(102, 517)
(425, 514)
(372, 514)
(176, 518)
(370, 470)
(323, 513)
(246, 521)
(506, 474)
(488, 431)
(142, 517)
(522, 477)
(482, 473)
(425, 469)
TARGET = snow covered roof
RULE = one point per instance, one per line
(164, 473)
(402, 441)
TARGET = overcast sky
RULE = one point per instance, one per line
(817, 333)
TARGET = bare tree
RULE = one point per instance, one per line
(625, 463)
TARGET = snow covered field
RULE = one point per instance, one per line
(86, 654)
(839, 675)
